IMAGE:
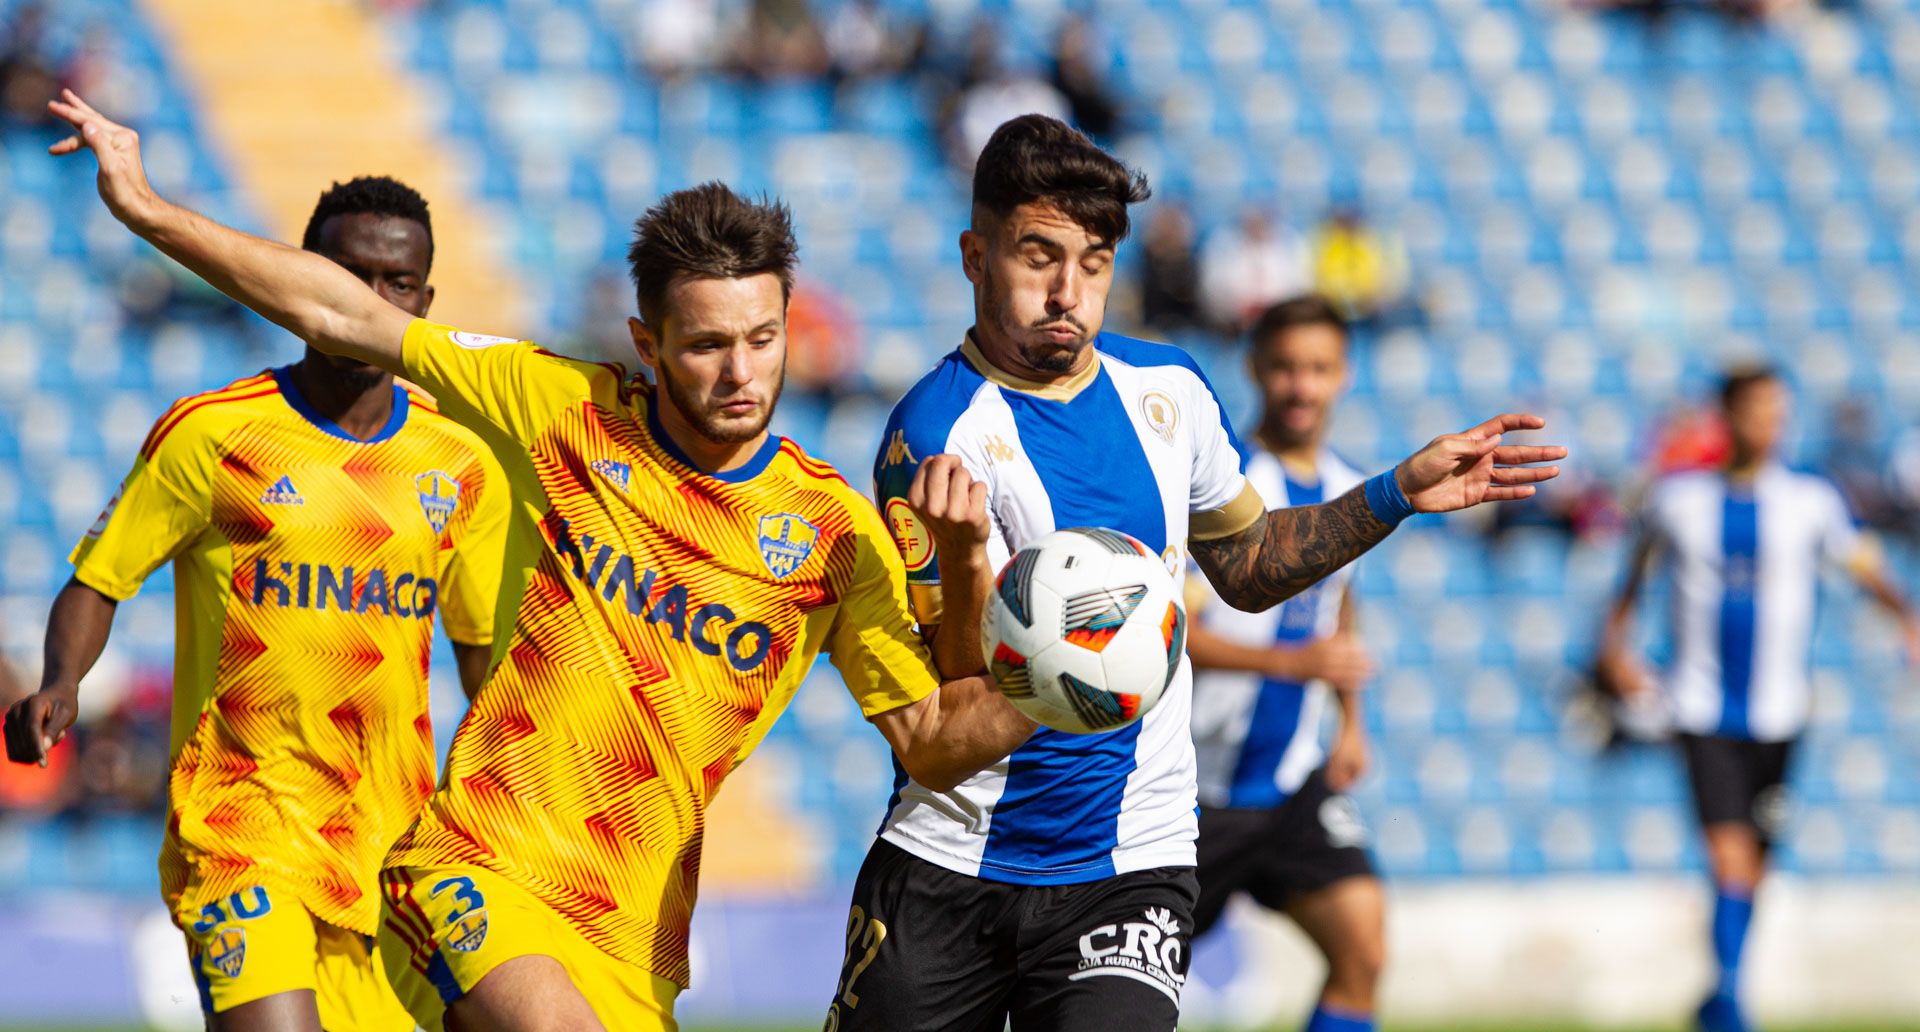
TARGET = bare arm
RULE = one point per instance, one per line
(1287, 550)
(476, 665)
(308, 295)
(77, 630)
(952, 734)
(1871, 574)
(1621, 672)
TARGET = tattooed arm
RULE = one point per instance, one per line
(1286, 550)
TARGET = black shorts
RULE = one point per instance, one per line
(1309, 842)
(1737, 781)
(931, 950)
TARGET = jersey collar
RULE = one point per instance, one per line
(738, 475)
(283, 376)
(1065, 390)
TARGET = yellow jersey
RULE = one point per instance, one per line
(668, 616)
(309, 568)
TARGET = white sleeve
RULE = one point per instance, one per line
(1219, 498)
(1840, 535)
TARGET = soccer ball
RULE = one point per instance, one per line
(1084, 630)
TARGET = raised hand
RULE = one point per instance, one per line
(1457, 471)
(122, 180)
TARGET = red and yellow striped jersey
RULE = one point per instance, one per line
(309, 567)
(667, 618)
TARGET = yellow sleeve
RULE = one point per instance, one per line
(163, 504)
(873, 642)
(471, 570)
(514, 385)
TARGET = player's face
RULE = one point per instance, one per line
(1301, 371)
(1757, 419)
(1040, 288)
(390, 255)
(721, 354)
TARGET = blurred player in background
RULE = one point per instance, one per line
(1057, 886)
(1274, 822)
(318, 517)
(1744, 546)
(689, 568)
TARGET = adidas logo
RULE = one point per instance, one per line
(282, 493)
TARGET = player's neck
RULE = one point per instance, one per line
(1746, 467)
(361, 411)
(708, 455)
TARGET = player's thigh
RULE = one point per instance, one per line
(1229, 842)
(291, 1011)
(1317, 838)
(1347, 921)
(446, 932)
(352, 993)
(252, 945)
(1115, 957)
(923, 950)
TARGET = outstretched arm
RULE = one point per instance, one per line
(310, 296)
(1288, 550)
(76, 633)
(1870, 571)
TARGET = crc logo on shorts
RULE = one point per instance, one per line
(1341, 819)
(915, 544)
(227, 951)
(476, 341)
(786, 541)
(1148, 950)
(1161, 414)
(1770, 810)
(439, 496)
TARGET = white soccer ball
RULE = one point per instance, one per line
(1084, 630)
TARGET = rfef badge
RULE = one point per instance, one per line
(786, 541)
(915, 544)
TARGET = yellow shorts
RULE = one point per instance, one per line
(443, 928)
(258, 942)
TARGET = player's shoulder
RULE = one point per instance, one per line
(1809, 487)
(820, 477)
(925, 415)
(208, 415)
(1146, 354)
(423, 413)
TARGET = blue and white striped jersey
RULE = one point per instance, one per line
(1745, 561)
(1138, 444)
(1257, 738)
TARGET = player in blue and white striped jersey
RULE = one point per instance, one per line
(1056, 887)
(1274, 820)
(1745, 546)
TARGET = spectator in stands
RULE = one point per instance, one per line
(1169, 277)
(988, 94)
(1078, 77)
(27, 79)
(1903, 482)
(1247, 267)
(677, 38)
(1857, 462)
(823, 341)
(865, 42)
(780, 40)
(97, 69)
(1361, 269)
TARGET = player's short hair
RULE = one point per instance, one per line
(369, 195)
(708, 232)
(1037, 159)
(1305, 310)
(1743, 378)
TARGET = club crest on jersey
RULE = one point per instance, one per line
(227, 951)
(786, 541)
(619, 472)
(468, 932)
(439, 495)
(476, 341)
(100, 525)
(282, 493)
(1161, 414)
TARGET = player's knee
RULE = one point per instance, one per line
(1354, 966)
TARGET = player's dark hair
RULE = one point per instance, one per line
(1305, 310)
(369, 195)
(1741, 379)
(1037, 159)
(708, 232)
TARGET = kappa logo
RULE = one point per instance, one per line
(1148, 950)
(439, 495)
(282, 493)
(999, 450)
(897, 450)
(620, 473)
(1161, 414)
(786, 541)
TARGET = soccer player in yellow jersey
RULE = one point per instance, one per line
(687, 570)
(319, 518)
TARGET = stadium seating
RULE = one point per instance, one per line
(1596, 214)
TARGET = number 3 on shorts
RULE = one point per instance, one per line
(467, 921)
